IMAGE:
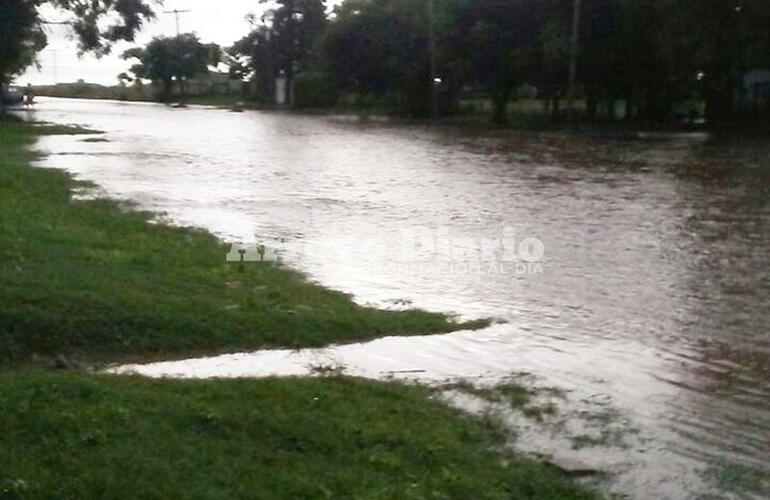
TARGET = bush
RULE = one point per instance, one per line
(314, 89)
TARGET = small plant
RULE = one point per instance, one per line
(329, 370)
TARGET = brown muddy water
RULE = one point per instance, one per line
(649, 306)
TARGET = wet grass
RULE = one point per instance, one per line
(738, 478)
(609, 437)
(607, 427)
(92, 280)
(55, 129)
(513, 395)
(68, 435)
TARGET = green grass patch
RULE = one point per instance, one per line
(738, 478)
(55, 129)
(67, 435)
(513, 395)
(509, 392)
(93, 280)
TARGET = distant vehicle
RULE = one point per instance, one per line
(13, 97)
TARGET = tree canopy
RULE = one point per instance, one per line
(96, 24)
(168, 59)
(281, 43)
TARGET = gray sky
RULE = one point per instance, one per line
(219, 21)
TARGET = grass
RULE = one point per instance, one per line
(738, 478)
(92, 280)
(56, 129)
(67, 435)
(512, 395)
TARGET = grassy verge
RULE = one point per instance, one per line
(92, 280)
(67, 435)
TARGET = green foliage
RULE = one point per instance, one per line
(313, 89)
(500, 40)
(21, 37)
(652, 54)
(96, 25)
(66, 435)
(281, 44)
(88, 278)
(379, 48)
(168, 59)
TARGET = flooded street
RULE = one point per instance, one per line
(652, 295)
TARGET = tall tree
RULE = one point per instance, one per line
(379, 48)
(280, 44)
(501, 40)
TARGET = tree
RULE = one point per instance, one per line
(281, 44)
(379, 48)
(21, 37)
(296, 25)
(96, 25)
(251, 58)
(501, 41)
(708, 46)
(168, 59)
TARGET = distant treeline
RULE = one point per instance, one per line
(659, 61)
(636, 59)
(211, 84)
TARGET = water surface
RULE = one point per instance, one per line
(653, 293)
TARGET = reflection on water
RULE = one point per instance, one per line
(654, 291)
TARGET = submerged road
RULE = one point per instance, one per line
(652, 294)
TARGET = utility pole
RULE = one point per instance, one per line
(434, 81)
(55, 53)
(176, 13)
(574, 51)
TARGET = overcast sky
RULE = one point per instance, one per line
(218, 21)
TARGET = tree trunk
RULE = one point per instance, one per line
(611, 116)
(631, 109)
(719, 103)
(500, 102)
(2, 99)
(166, 97)
(556, 108)
(592, 106)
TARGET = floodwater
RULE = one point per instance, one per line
(652, 295)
